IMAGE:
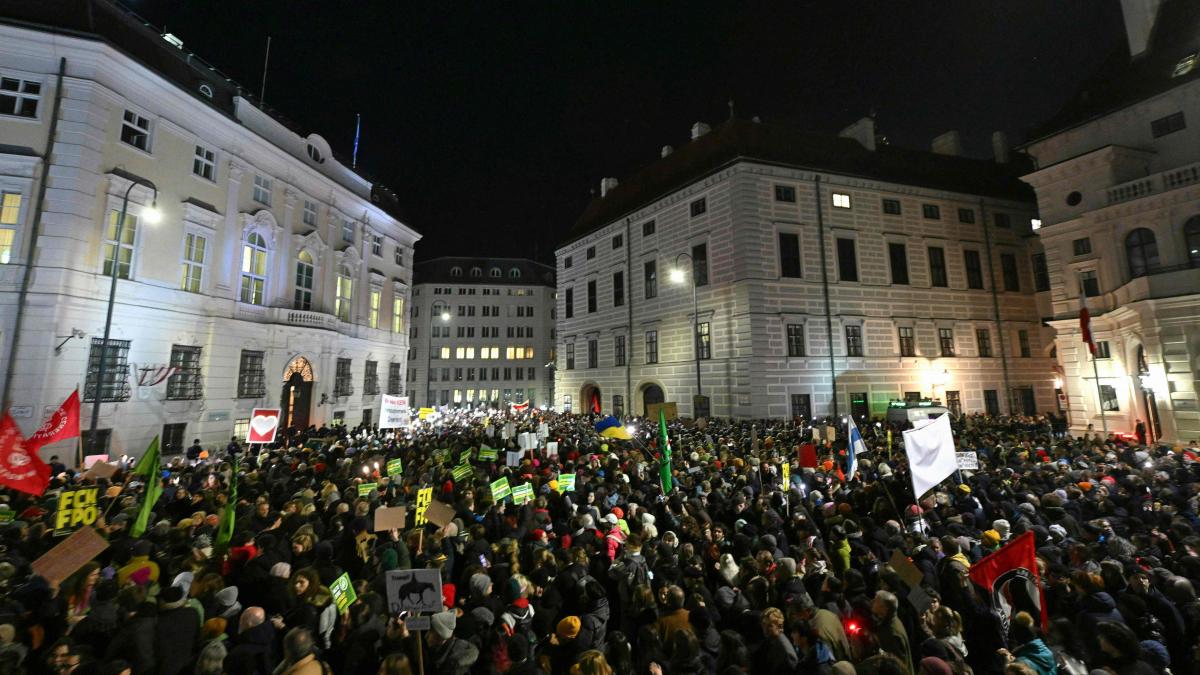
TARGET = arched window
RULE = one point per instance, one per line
(476, 273)
(304, 281)
(514, 273)
(1141, 250)
(456, 271)
(254, 269)
(1191, 238)
(495, 273)
(345, 294)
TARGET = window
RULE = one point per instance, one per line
(123, 249)
(204, 163)
(193, 262)
(647, 228)
(1023, 343)
(1103, 351)
(185, 384)
(570, 356)
(1002, 220)
(348, 237)
(1041, 273)
(590, 253)
(1191, 239)
(618, 241)
(991, 402)
(618, 289)
(10, 217)
(785, 193)
(398, 313)
(398, 256)
(700, 264)
(1082, 246)
(1089, 284)
(907, 348)
(651, 346)
(135, 130)
(789, 255)
(309, 215)
(591, 300)
(983, 339)
(531, 374)
(304, 282)
(1108, 398)
(371, 378)
(1035, 224)
(891, 207)
(795, 339)
(314, 154)
(937, 267)
(841, 200)
(619, 350)
(650, 273)
(954, 402)
(19, 97)
(254, 269)
(252, 375)
(593, 348)
(568, 262)
(173, 436)
(704, 340)
(341, 379)
(966, 216)
(946, 341)
(262, 189)
(1141, 250)
(618, 406)
(974, 269)
(1008, 267)
(931, 211)
(698, 207)
(854, 343)
(514, 273)
(377, 249)
(375, 298)
(1167, 125)
(570, 303)
(898, 257)
(344, 295)
(801, 405)
(116, 371)
(847, 260)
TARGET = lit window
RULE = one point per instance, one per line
(262, 189)
(204, 163)
(10, 216)
(124, 248)
(373, 317)
(345, 294)
(304, 281)
(19, 97)
(254, 269)
(445, 352)
(135, 130)
(841, 201)
(397, 315)
(194, 247)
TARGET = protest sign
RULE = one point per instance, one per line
(343, 592)
(424, 497)
(514, 457)
(439, 513)
(395, 467)
(464, 456)
(390, 518)
(786, 470)
(908, 572)
(264, 423)
(364, 490)
(566, 482)
(500, 488)
(552, 449)
(393, 411)
(967, 461)
(101, 470)
(424, 413)
(76, 508)
(522, 493)
(415, 590)
(69, 555)
(487, 454)
(462, 472)
(527, 440)
(670, 410)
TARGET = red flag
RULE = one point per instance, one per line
(1085, 323)
(20, 468)
(1010, 576)
(808, 456)
(63, 424)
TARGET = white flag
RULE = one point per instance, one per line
(931, 455)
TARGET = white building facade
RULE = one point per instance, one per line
(832, 276)
(1118, 187)
(482, 333)
(277, 277)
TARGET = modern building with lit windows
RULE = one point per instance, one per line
(781, 273)
(1118, 186)
(276, 277)
(481, 333)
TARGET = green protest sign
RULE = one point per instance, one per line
(487, 454)
(566, 482)
(522, 493)
(462, 472)
(395, 467)
(343, 592)
(364, 489)
(500, 488)
(464, 456)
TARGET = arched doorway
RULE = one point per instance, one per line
(651, 394)
(589, 398)
(296, 400)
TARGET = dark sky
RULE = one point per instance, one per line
(494, 122)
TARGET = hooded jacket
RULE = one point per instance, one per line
(1038, 656)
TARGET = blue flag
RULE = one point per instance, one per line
(853, 447)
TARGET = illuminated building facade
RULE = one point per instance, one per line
(277, 276)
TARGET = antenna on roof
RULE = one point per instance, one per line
(262, 97)
(357, 129)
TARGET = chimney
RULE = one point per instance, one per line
(667, 150)
(607, 185)
(862, 131)
(699, 129)
(947, 144)
(1000, 147)
(1139, 23)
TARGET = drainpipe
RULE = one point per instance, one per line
(987, 239)
(825, 292)
(34, 232)
(629, 305)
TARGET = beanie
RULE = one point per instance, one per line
(568, 628)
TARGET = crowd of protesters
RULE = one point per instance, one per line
(731, 571)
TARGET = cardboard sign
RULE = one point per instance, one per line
(424, 497)
(101, 470)
(69, 555)
(514, 457)
(522, 493)
(264, 423)
(415, 590)
(487, 454)
(393, 411)
(566, 482)
(462, 472)
(390, 518)
(343, 592)
(908, 572)
(919, 599)
(364, 489)
(439, 513)
(967, 461)
(76, 508)
(670, 411)
(395, 467)
(91, 460)
(500, 488)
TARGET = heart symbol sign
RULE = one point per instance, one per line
(262, 426)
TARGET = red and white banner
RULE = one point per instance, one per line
(63, 424)
(264, 423)
(520, 407)
(20, 467)
(1010, 577)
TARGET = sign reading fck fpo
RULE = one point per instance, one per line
(264, 423)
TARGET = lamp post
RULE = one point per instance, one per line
(445, 317)
(150, 216)
(677, 277)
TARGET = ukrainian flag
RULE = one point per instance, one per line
(610, 427)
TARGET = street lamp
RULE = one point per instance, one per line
(678, 276)
(444, 315)
(151, 216)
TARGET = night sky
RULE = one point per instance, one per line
(494, 122)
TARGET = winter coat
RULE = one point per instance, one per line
(134, 642)
(1038, 656)
(453, 657)
(177, 634)
(252, 651)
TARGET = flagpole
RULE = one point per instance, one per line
(1100, 398)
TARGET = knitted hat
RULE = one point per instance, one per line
(480, 585)
(568, 628)
(512, 590)
(443, 624)
(990, 538)
(214, 628)
(281, 570)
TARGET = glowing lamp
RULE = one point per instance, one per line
(151, 215)
(677, 276)
(445, 316)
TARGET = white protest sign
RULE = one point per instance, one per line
(415, 590)
(393, 411)
(552, 449)
(514, 457)
(967, 461)
(527, 440)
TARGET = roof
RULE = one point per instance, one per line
(1122, 81)
(742, 140)
(438, 271)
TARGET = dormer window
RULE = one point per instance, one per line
(314, 153)
(514, 273)
(456, 272)
(495, 273)
(476, 273)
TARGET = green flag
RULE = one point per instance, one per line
(664, 464)
(225, 527)
(153, 487)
